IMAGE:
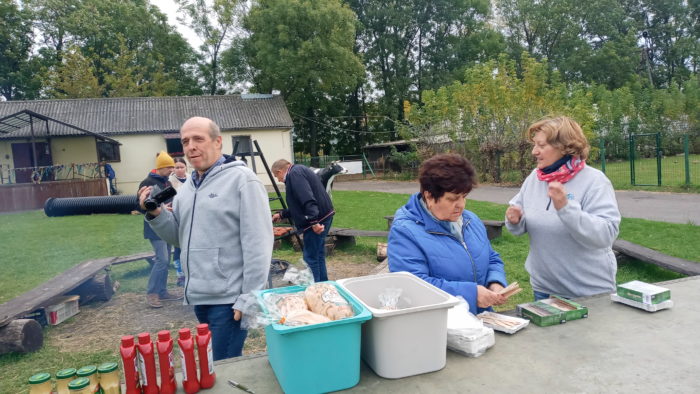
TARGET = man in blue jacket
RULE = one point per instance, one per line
(311, 210)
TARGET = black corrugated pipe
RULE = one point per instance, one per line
(89, 205)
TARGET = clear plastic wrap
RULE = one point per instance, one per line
(466, 334)
(299, 276)
(389, 298)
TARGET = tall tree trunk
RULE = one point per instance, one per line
(313, 146)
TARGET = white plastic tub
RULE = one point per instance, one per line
(410, 340)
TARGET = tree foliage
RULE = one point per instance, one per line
(304, 49)
(215, 22)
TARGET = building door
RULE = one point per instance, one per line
(23, 158)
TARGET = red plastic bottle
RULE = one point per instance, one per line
(131, 367)
(165, 361)
(189, 366)
(207, 377)
(147, 363)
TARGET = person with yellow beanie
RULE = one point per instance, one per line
(158, 280)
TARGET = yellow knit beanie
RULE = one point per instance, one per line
(164, 160)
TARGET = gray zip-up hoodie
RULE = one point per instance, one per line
(225, 232)
(570, 249)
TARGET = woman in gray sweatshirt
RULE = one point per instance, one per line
(570, 212)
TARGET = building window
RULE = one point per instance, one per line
(108, 151)
(174, 146)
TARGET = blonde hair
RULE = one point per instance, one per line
(562, 133)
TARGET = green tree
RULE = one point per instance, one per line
(16, 65)
(304, 49)
(485, 116)
(75, 77)
(96, 27)
(215, 23)
(412, 45)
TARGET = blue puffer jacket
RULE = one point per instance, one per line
(420, 245)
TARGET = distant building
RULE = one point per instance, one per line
(128, 132)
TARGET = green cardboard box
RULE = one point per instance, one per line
(552, 311)
(643, 292)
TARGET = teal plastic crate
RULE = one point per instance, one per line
(316, 358)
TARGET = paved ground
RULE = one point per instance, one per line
(664, 207)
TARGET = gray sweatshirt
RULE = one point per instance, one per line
(570, 249)
(225, 233)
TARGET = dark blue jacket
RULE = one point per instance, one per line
(162, 182)
(420, 245)
(307, 200)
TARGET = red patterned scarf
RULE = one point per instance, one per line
(564, 173)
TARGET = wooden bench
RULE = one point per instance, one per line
(26, 337)
(494, 228)
(346, 236)
(645, 254)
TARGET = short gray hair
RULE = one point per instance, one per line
(214, 130)
(279, 164)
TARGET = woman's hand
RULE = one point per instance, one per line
(557, 192)
(514, 213)
(486, 298)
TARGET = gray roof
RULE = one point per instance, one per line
(148, 115)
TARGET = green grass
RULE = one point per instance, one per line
(36, 248)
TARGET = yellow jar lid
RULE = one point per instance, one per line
(39, 378)
(77, 384)
(87, 370)
(66, 373)
(107, 367)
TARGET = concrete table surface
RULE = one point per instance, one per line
(616, 349)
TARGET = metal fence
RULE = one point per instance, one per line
(649, 160)
(638, 160)
(11, 175)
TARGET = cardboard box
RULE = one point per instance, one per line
(62, 308)
(643, 292)
(39, 315)
(552, 311)
(647, 307)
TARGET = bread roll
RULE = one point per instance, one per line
(324, 299)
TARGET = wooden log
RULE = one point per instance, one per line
(97, 288)
(21, 336)
(381, 251)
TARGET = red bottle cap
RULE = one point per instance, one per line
(185, 333)
(128, 340)
(202, 329)
(164, 335)
(144, 338)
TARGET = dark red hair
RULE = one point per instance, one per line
(446, 173)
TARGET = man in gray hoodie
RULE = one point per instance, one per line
(220, 219)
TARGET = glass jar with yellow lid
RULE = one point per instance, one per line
(80, 386)
(90, 372)
(63, 377)
(109, 378)
(40, 383)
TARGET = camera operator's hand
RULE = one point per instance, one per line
(143, 194)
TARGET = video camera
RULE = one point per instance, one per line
(154, 200)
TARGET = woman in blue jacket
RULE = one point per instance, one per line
(436, 239)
